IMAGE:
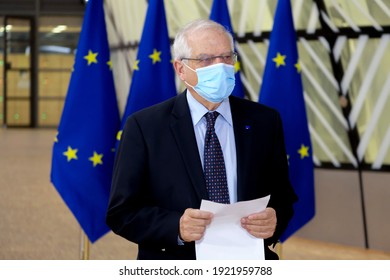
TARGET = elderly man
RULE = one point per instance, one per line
(201, 144)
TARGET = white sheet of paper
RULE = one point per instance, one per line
(224, 238)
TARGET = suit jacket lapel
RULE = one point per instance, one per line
(243, 137)
(183, 131)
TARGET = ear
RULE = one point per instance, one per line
(179, 69)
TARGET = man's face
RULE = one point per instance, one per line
(204, 45)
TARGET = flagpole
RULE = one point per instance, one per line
(84, 246)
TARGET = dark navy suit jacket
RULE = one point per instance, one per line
(158, 174)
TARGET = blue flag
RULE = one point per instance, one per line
(220, 14)
(83, 154)
(153, 78)
(282, 89)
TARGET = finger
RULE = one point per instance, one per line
(260, 223)
(262, 234)
(191, 233)
(260, 231)
(198, 214)
(197, 217)
(261, 218)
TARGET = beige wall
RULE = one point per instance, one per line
(377, 199)
(339, 215)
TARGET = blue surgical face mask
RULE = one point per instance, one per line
(215, 82)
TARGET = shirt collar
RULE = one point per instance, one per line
(197, 110)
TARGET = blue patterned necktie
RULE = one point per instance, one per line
(214, 165)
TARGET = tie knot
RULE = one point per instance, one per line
(211, 117)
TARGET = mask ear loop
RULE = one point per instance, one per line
(186, 81)
(189, 67)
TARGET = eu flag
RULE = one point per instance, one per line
(83, 155)
(153, 77)
(282, 89)
(220, 14)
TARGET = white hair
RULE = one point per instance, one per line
(181, 48)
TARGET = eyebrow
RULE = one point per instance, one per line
(210, 55)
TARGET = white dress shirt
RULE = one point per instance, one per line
(225, 133)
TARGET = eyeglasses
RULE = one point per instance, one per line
(204, 61)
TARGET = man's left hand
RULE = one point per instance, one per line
(262, 224)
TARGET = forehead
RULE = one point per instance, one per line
(209, 41)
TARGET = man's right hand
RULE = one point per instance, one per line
(193, 224)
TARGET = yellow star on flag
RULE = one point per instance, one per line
(71, 153)
(119, 135)
(279, 60)
(135, 65)
(303, 151)
(96, 159)
(91, 57)
(237, 66)
(155, 56)
(56, 138)
(298, 66)
(109, 63)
